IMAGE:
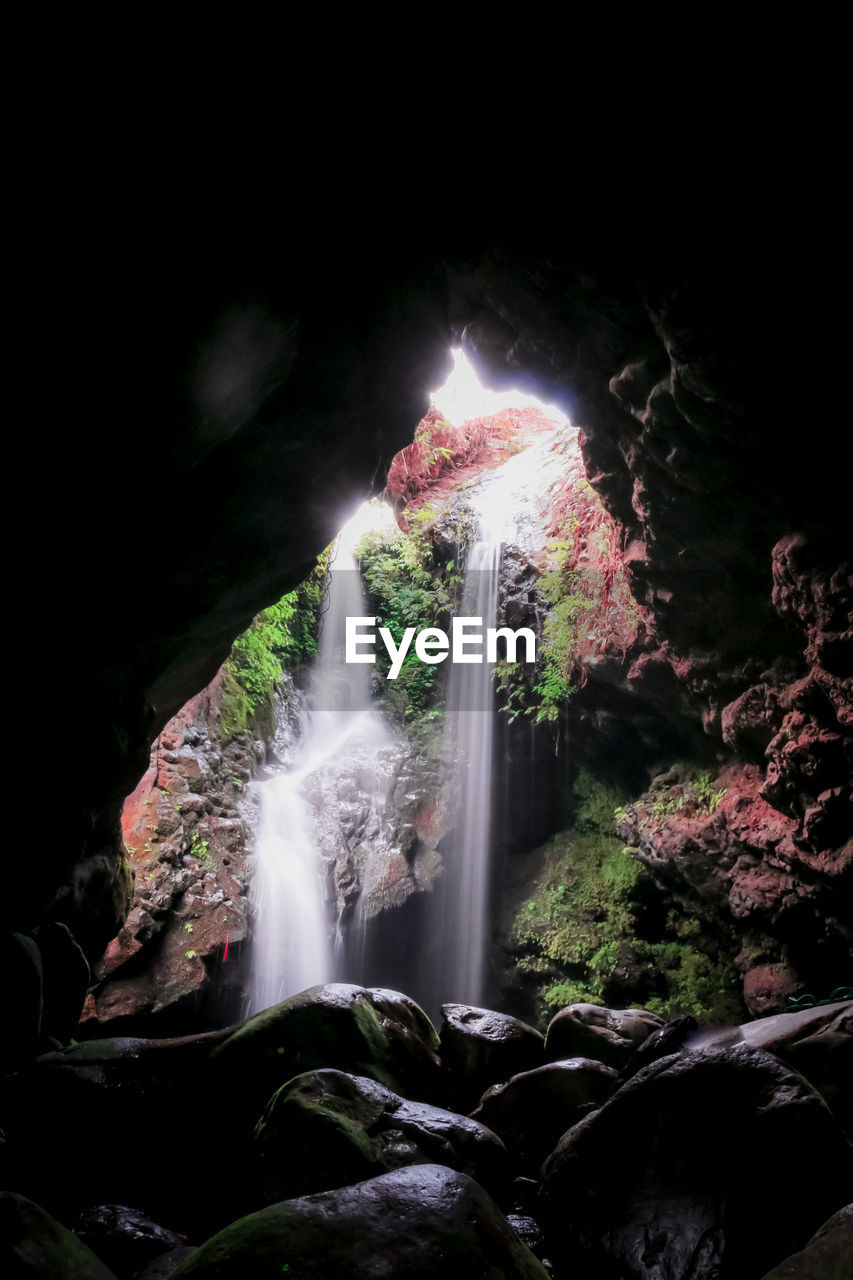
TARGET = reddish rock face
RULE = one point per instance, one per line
(186, 841)
(766, 989)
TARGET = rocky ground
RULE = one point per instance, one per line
(337, 1133)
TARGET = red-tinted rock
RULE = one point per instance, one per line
(766, 988)
(189, 906)
(610, 1036)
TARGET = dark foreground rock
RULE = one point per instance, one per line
(34, 1246)
(712, 1164)
(124, 1238)
(819, 1044)
(532, 1111)
(326, 1129)
(482, 1048)
(165, 1266)
(610, 1036)
(668, 1039)
(827, 1256)
(165, 1124)
(122, 1120)
(422, 1221)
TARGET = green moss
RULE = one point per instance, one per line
(578, 936)
(285, 634)
(580, 911)
(683, 789)
(408, 589)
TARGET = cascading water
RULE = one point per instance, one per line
(506, 509)
(293, 942)
(470, 710)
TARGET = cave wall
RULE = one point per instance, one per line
(732, 538)
(234, 405)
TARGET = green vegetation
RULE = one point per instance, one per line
(407, 589)
(285, 634)
(559, 633)
(200, 849)
(590, 608)
(580, 914)
(681, 790)
(578, 938)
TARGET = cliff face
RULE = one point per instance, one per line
(185, 838)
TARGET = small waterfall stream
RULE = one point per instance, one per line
(507, 509)
(294, 944)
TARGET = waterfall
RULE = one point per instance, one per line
(470, 712)
(332, 849)
(506, 509)
(293, 936)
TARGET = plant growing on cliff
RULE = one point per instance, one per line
(579, 936)
(200, 849)
(406, 589)
(285, 634)
(590, 608)
(681, 790)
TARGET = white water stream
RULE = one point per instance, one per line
(293, 936)
(507, 509)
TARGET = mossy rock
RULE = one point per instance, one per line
(582, 934)
(826, 1256)
(366, 1031)
(425, 1221)
(326, 1129)
(34, 1246)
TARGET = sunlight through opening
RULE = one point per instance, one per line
(464, 397)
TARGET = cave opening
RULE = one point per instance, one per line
(678, 850)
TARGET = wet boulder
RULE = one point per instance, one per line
(165, 1265)
(326, 1129)
(425, 1220)
(367, 1031)
(532, 1111)
(124, 1238)
(481, 1048)
(704, 1164)
(816, 1042)
(672, 1037)
(34, 1246)
(610, 1036)
(827, 1256)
